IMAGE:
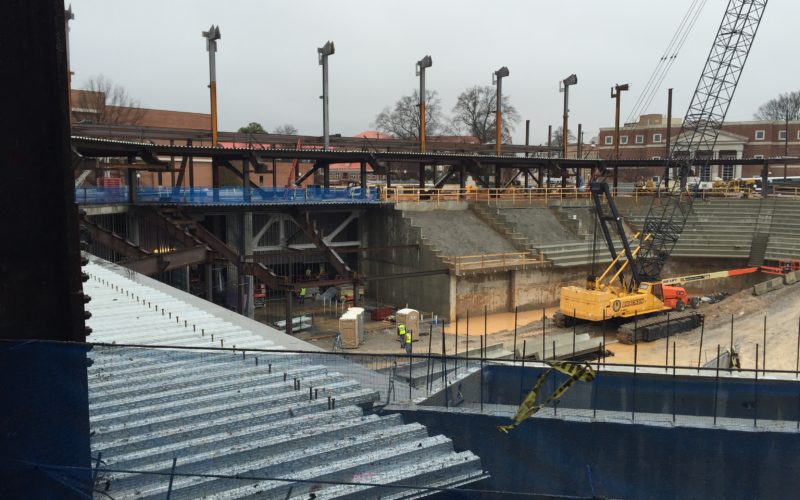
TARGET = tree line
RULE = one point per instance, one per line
(472, 115)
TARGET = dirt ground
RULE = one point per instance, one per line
(781, 308)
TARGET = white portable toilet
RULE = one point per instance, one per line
(410, 318)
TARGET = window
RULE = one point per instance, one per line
(656, 157)
(727, 172)
(758, 157)
(639, 139)
(610, 139)
(759, 135)
(623, 139)
(781, 135)
(798, 135)
(261, 180)
(656, 138)
(705, 173)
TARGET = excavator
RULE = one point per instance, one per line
(631, 286)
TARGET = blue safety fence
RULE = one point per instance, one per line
(101, 195)
(228, 195)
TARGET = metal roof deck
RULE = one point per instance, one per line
(262, 414)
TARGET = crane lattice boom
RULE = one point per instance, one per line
(667, 215)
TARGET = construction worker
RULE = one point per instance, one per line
(407, 341)
(401, 331)
(308, 273)
(302, 295)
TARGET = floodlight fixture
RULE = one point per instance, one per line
(325, 51)
(566, 82)
(211, 36)
(425, 62)
(499, 74)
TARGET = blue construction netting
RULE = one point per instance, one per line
(227, 196)
(101, 195)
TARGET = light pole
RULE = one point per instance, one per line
(323, 53)
(616, 93)
(497, 79)
(211, 36)
(564, 86)
(422, 64)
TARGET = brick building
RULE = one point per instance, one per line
(646, 139)
(90, 107)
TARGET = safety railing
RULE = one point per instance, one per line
(228, 195)
(101, 195)
(517, 195)
(460, 264)
(490, 195)
(786, 191)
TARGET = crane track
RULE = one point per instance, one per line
(660, 326)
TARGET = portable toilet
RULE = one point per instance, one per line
(410, 318)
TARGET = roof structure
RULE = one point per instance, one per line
(287, 421)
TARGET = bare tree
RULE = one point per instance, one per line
(403, 121)
(103, 101)
(287, 129)
(557, 137)
(778, 108)
(474, 112)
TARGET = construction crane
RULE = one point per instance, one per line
(631, 285)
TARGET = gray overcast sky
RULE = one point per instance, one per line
(267, 67)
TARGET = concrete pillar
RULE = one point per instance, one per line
(453, 302)
(512, 290)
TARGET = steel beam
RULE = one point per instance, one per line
(158, 263)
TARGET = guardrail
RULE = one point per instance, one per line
(228, 195)
(793, 192)
(464, 263)
(490, 195)
(521, 195)
(101, 195)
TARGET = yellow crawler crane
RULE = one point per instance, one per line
(642, 292)
(603, 299)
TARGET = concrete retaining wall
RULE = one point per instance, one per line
(768, 286)
(615, 458)
(385, 227)
(648, 393)
(551, 456)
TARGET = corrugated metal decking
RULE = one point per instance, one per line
(223, 414)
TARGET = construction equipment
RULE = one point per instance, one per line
(785, 266)
(630, 286)
(692, 278)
